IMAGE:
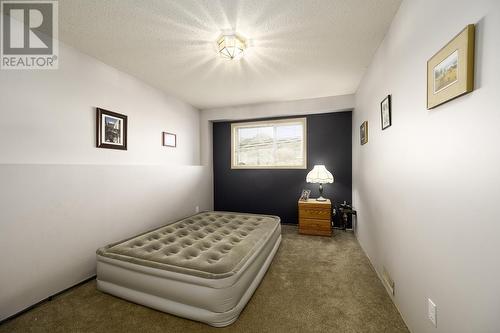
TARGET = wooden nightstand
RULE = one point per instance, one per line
(315, 217)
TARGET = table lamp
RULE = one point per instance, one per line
(320, 175)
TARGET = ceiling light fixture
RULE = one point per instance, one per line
(231, 46)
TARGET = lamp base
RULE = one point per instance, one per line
(320, 198)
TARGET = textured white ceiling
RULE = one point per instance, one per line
(302, 48)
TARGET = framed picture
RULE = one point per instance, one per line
(111, 130)
(450, 72)
(385, 112)
(305, 195)
(363, 132)
(169, 139)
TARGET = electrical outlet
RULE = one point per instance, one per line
(432, 311)
(197, 209)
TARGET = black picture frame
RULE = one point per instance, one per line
(105, 136)
(386, 120)
(165, 140)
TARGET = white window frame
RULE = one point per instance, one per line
(236, 126)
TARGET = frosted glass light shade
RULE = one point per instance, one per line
(231, 46)
(319, 174)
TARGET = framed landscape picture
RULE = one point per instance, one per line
(363, 132)
(111, 129)
(169, 139)
(385, 112)
(450, 72)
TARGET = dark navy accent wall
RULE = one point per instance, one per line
(275, 192)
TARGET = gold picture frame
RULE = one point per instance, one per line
(363, 133)
(450, 72)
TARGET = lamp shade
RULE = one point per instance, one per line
(319, 174)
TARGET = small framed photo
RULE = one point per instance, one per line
(363, 132)
(385, 112)
(450, 72)
(169, 139)
(305, 195)
(111, 130)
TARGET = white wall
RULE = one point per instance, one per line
(60, 197)
(427, 188)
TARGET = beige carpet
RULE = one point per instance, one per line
(315, 284)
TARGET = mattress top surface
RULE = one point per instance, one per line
(208, 244)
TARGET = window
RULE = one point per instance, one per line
(279, 144)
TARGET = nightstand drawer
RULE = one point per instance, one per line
(314, 213)
(323, 225)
